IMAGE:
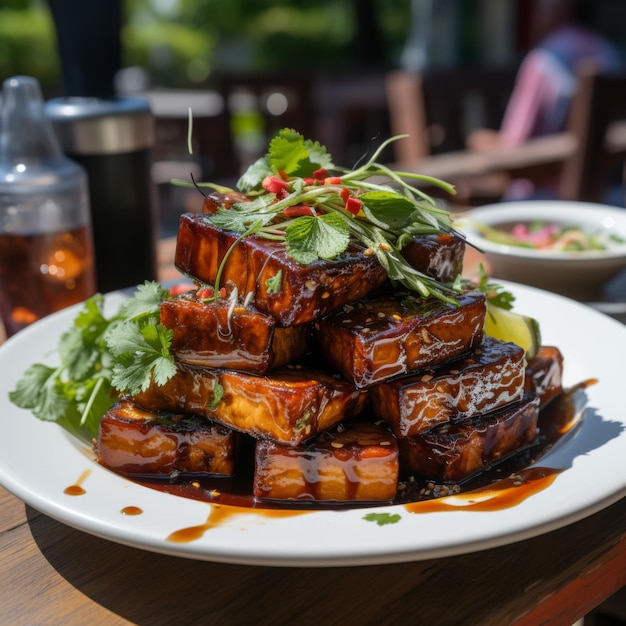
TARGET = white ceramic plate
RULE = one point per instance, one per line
(39, 460)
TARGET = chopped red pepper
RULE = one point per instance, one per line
(204, 293)
(298, 210)
(273, 184)
(176, 290)
(345, 194)
(353, 205)
(309, 181)
(332, 180)
(320, 174)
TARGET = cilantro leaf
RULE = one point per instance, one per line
(142, 354)
(274, 284)
(76, 393)
(311, 238)
(290, 153)
(254, 175)
(496, 294)
(37, 391)
(382, 519)
(218, 394)
(146, 301)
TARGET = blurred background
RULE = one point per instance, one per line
(250, 67)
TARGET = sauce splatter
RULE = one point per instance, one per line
(77, 488)
(131, 510)
(223, 513)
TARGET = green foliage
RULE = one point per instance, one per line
(28, 45)
(99, 359)
(183, 43)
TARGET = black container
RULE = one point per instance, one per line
(112, 138)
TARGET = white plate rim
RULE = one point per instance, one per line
(38, 460)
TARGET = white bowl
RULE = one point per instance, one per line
(581, 275)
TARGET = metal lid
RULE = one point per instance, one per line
(101, 125)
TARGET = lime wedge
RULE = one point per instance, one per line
(509, 326)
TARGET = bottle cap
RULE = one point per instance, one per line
(97, 126)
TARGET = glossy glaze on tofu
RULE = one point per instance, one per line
(289, 405)
(452, 452)
(290, 292)
(544, 374)
(437, 256)
(133, 441)
(358, 461)
(385, 336)
(214, 334)
(488, 377)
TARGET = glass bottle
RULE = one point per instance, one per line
(46, 242)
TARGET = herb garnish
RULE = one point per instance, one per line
(382, 519)
(100, 359)
(299, 196)
(496, 294)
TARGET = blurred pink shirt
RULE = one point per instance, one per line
(546, 82)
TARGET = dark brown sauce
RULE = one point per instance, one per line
(501, 486)
(502, 494)
(131, 510)
(222, 513)
(77, 488)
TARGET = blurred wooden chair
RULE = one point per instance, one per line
(438, 108)
(598, 123)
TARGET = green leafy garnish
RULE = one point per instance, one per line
(382, 519)
(297, 195)
(273, 284)
(100, 358)
(496, 294)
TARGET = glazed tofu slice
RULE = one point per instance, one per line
(358, 462)
(488, 377)
(437, 256)
(134, 441)
(290, 292)
(452, 452)
(289, 405)
(544, 374)
(386, 336)
(214, 334)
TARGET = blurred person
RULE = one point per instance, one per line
(546, 82)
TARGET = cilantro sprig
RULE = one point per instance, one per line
(100, 358)
(496, 294)
(299, 196)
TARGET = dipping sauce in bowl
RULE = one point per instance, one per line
(571, 248)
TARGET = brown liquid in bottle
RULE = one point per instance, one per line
(43, 273)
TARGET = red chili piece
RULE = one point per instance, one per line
(353, 205)
(298, 210)
(273, 184)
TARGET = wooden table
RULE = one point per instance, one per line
(52, 574)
